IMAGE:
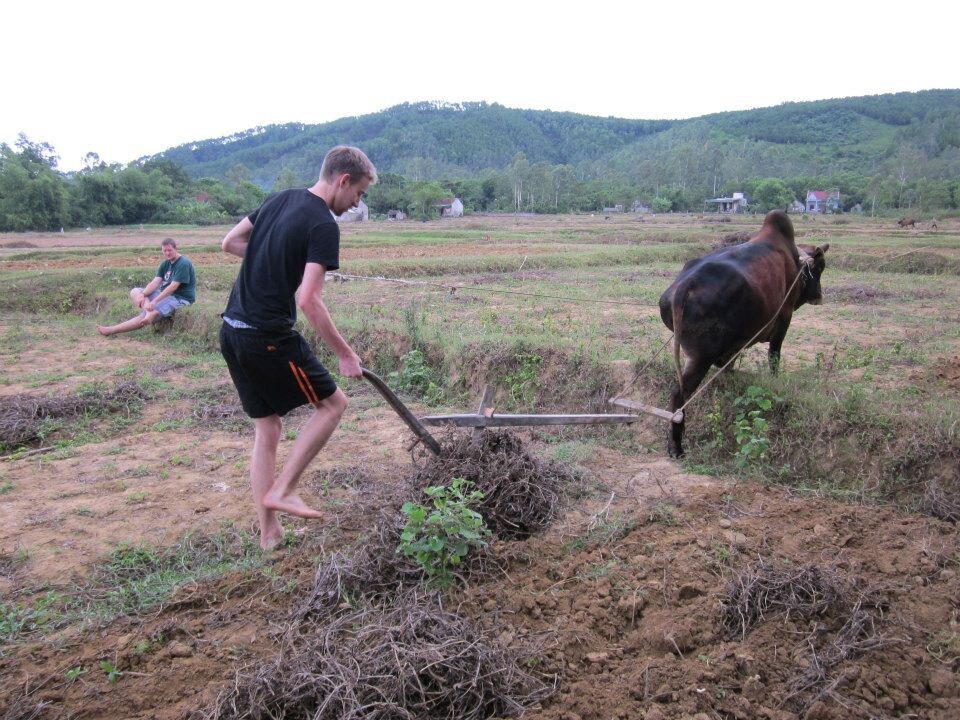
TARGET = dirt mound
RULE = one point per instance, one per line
(521, 492)
(948, 371)
(637, 626)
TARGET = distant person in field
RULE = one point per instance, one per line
(287, 245)
(174, 286)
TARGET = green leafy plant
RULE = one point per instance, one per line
(17, 620)
(523, 383)
(418, 378)
(74, 672)
(750, 425)
(438, 538)
(112, 673)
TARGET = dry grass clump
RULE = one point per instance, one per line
(374, 574)
(521, 492)
(942, 500)
(414, 659)
(758, 589)
(22, 417)
(843, 619)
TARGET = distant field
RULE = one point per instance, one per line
(557, 314)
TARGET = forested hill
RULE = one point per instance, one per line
(424, 141)
(412, 139)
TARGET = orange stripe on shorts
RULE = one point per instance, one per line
(304, 382)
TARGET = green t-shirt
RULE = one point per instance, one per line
(180, 270)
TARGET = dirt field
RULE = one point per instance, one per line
(631, 604)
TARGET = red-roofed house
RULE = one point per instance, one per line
(821, 201)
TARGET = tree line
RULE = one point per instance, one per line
(34, 195)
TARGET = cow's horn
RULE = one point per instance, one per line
(804, 258)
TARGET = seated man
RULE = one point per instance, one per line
(173, 287)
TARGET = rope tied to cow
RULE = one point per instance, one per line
(806, 265)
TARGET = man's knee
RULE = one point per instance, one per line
(268, 428)
(335, 404)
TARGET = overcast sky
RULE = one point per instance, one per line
(126, 79)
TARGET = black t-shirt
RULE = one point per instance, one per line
(290, 229)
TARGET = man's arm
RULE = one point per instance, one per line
(151, 286)
(238, 238)
(167, 292)
(310, 301)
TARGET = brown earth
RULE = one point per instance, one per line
(622, 596)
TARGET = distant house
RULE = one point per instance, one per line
(618, 208)
(639, 207)
(450, 207)
(796, 207)
(735, 204)
(358, 214)
(202, 197)
(396, 215)
(822, 201)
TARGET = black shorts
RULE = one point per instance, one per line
(274, 373)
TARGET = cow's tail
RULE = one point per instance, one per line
(679, 297)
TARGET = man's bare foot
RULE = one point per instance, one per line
(271, 537)
(271, 543)
(291, 504)
(103, 330)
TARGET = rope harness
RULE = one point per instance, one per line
(806, 268)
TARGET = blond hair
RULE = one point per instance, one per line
(350, 160)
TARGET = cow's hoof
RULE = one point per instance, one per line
(675, 452)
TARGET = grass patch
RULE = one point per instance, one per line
(132, 580)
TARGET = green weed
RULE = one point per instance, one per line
(438, 538)
(524, 382)
(19, 620)
(112, 673)
(417, 378)
(750, 425)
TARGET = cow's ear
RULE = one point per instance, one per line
(821, 249)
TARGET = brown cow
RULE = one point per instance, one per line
(719, 302)
(907, 222)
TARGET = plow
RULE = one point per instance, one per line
(487, 417)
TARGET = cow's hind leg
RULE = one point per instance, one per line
(693, 374)
(776, 342)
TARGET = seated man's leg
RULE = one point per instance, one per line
(136, 322)
(137, 296)
(168, 306)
